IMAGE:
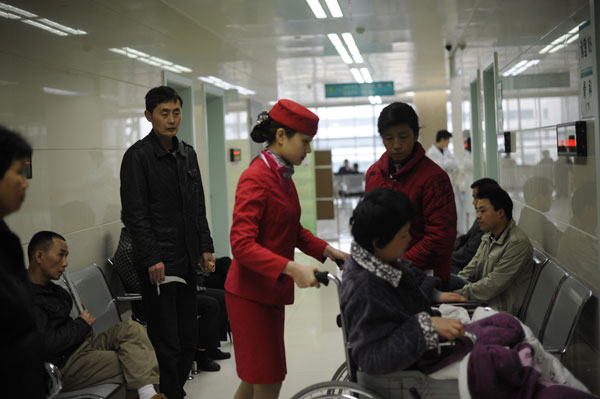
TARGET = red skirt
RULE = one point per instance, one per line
(257, 331)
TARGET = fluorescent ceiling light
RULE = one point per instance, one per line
(182, 68)
(60, 92)
(337, 43)
(546, 49)
(366, 75)
(352, 47)
(161, 61)
(44, 27)
(409, 93)
(561, 38)
(62, 27)
(8, 15)
(334, 8)
(556, 48)
(15, 10)
(520, 67)
(11, 12)
(226, 85)
(520, 64)
(316, 8)
(150, 59)
(150, 62)
(135, 52)
(576, 29)
(357, 75)
(573, 38)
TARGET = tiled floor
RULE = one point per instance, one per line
(314, 346)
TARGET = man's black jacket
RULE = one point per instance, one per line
(21, 368)
(62, 334)
(163, 205)
(465, 247)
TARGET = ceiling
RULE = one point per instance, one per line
(277, 48)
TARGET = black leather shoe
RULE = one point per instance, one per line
(205, 363)
(217, 354)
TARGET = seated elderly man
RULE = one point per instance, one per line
(122, 354)
(502, 267)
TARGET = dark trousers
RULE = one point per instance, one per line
(208, 321)
(172, 329)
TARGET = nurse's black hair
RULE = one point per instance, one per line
(12, 146)
(159, 95)
(265, 129)
(398, 114)
(379, 216)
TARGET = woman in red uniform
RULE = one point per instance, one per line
(265, 231)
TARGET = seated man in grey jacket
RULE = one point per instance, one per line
(500, 271)
(122, 354)
(466, 245)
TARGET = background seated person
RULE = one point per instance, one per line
(466, 245)
(387, 301)
(500, 271)
(345, 169)
(122, 354)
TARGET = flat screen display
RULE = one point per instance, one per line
(566, 140)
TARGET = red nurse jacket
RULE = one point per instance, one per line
(265, 231)
(433, 227)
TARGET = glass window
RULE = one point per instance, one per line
(350, 132)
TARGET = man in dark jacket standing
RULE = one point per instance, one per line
(163, 208)
(21, 368)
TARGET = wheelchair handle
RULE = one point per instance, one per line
(322, 277)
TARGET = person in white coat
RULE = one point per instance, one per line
(440, 154)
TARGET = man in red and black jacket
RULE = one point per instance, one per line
(404, 167)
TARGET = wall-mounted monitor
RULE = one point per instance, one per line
(571, 139)
(507, 142)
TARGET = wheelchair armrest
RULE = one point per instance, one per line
(556, 351)
(469, 305)
(54, 378)
(129, 297)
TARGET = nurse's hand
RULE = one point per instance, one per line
(303, 275)
(335, 255)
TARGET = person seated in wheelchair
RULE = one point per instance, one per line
(386, 301)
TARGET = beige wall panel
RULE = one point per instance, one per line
(431, 108)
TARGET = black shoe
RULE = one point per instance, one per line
(205, 363)
(217, 354)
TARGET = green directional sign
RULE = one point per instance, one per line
(359, 89)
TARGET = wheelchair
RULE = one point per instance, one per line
(350, 383)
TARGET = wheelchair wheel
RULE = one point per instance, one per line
(341, 374)
(335, 390)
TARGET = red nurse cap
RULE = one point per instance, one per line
(295, 116)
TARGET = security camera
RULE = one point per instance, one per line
(448, 47)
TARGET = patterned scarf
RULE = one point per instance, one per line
(371, 263)
(284, 169)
